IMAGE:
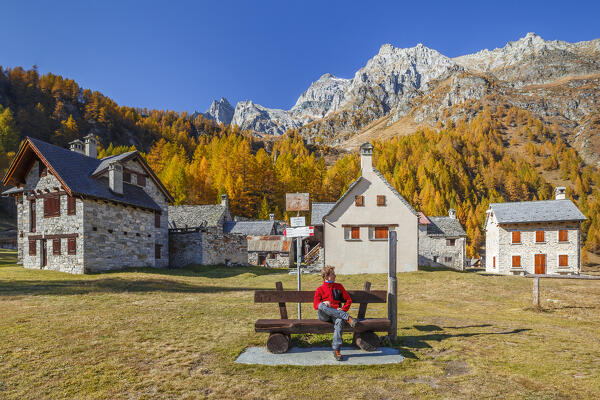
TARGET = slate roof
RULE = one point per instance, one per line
(12, 190)
(445, 226)
(319, 210)
(271, 243)
(107, 160)
(250, 228)
(195, 216)
(536, 211)
(76, 170)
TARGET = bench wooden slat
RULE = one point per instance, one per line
(290, 326)
(362, 309)
(307, 296)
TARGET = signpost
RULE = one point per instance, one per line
(298, 202)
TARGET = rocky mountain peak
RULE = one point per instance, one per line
(220, 111)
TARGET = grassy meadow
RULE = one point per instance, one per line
(174, 334)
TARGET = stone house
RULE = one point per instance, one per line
(541, 237)
(356, 227)
(442, 242)
(270, 251)
(196, 236)
(77, 213)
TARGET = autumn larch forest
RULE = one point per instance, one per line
(502, 154)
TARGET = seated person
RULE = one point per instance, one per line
(327, 301)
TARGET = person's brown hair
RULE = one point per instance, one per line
(326, 271)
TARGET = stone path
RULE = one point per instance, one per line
(319, 356)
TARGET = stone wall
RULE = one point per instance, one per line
(119, 236)
(207, 247)
(60, 225)
(434, 251)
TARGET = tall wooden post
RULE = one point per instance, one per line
(298, 262)
(392, 297)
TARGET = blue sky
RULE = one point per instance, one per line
(179, 55)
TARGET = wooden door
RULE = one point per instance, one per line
(540, 263)
(262, 260)
(44, 253)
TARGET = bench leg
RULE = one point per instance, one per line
(278, 343)
(367, 341)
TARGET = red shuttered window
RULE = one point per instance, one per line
(381, 232)
(381, 200)
(32, 249)
(51, 206)
(563, 260)
(516, 237)
(157, 220)
(72, 246)
(516, 261)
(56, 247)
(141, 180)
(563, 235)
(71, 205)
(539, 237)
(359, 201)
(355, 232)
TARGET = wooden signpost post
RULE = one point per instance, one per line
(392, 287)
(297, 202)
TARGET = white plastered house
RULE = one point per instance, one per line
(356, 228)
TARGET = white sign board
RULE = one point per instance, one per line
(297, 221)
(300, 231)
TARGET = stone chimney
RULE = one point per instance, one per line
(366, 158)
(76, 146)
(452, 213)
(560, 193)
(225, 200)
(115, 177)
(91, 146)
(271, 217)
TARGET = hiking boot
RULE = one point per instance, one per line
(337, 355)
(352, 321)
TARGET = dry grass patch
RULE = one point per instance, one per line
(176, 333)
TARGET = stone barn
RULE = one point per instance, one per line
(270, 251)
(77, 213)
(442, 242)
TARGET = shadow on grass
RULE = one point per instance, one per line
(203, 271)
(420, 342)
(436, 269)
(8, 257)
(106, 285)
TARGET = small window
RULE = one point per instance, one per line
(516, 237)
(124, 233)
(381, 200)
(137, 234)
(380, 232)
(43, 171)
(272, 256)
(51, 206)
(539, 237)
(435, 258)
(563, 235)
(450, 242)
(157, 248)
(141, 180)
(516, 261)
(157, 220)
(359, 201)
(563, 260)
(32, 216)
(126, 177)
(94, 228)
(352, 233)
(32, 249)
(71, 205)
(448, 259)
(56, 247)
(110, 231)
(72, 246)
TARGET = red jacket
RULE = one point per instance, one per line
(323, 293)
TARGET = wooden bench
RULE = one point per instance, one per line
(281, 329)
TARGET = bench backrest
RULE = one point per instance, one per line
(362, 297)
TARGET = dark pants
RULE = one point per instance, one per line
(329, 314)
